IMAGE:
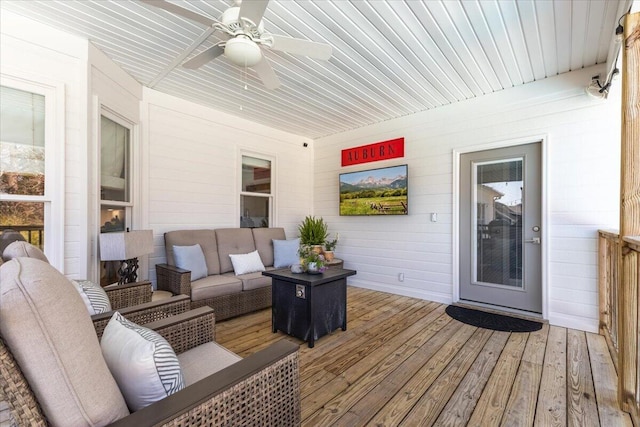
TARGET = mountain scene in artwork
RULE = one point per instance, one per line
(374, 192)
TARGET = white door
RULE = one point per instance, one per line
(500, 227)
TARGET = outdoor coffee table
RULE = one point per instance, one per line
(309, 306)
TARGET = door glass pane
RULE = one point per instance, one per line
(27, 218)
(256, 175)
(255, 211)
(114, 161)
(21, 142)
(498, 222)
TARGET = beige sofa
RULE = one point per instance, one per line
(229, 295)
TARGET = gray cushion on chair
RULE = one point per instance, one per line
(23, 249)
(204, 360)
(46, 325)
(9, 236)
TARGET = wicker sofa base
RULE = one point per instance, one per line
(232, 305)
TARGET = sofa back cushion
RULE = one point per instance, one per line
(263, 239)
(50, 334)
(233, 241)
(205, 238)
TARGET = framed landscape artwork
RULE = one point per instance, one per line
(381, 191)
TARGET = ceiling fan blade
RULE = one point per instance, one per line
(203, 57)
(185, 13)
(253, 10)
(269, 78)
(301, 47)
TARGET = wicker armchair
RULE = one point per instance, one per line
(145, 313)
(130, 294)
(260, 390)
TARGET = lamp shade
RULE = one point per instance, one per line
(125, 245)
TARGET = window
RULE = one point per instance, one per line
(28, 165)
(115, 184)
(256, 193)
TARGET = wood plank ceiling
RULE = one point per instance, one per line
(390, 58)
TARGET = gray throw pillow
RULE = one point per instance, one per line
(191, 258)
(285, 253)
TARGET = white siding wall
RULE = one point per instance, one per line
(42, 54)
(582, 141)
(193, 156)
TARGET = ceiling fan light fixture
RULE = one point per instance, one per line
(242, 51)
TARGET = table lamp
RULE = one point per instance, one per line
(126, 247)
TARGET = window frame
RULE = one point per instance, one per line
(54, 175)
(269, 196)
(131, 214)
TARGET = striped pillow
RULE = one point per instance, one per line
(94, 297)
(143, 363)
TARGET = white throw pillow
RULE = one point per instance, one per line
(143, 363)
(246, 263)
(191, 258)
(285, 252)
(93, 296)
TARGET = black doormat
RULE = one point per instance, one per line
(496, 322)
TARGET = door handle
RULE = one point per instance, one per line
(535, 240)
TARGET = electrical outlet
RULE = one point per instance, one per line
(300, 293)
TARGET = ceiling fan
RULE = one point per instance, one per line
(243, 37)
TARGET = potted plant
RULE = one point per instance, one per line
(313, 232)
(329, 246)
(312, 262)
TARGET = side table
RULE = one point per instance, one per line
(308, 306)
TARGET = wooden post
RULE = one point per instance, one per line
(603, 286)
(629, 212)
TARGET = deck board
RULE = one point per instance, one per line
(493, 401)
(552, 397)
(581, 396)
(521, 407)
(403, 361)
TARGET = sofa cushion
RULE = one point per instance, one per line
(93, 296)
(215, 356)
(233, 241)
(205, 238)
(252, 281)
(191, 258)
(19, 249)
(215, 286)
(143, 363)
(46, 325)
(263, 238)
(285, 252)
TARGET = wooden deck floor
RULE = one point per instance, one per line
(403, 361)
